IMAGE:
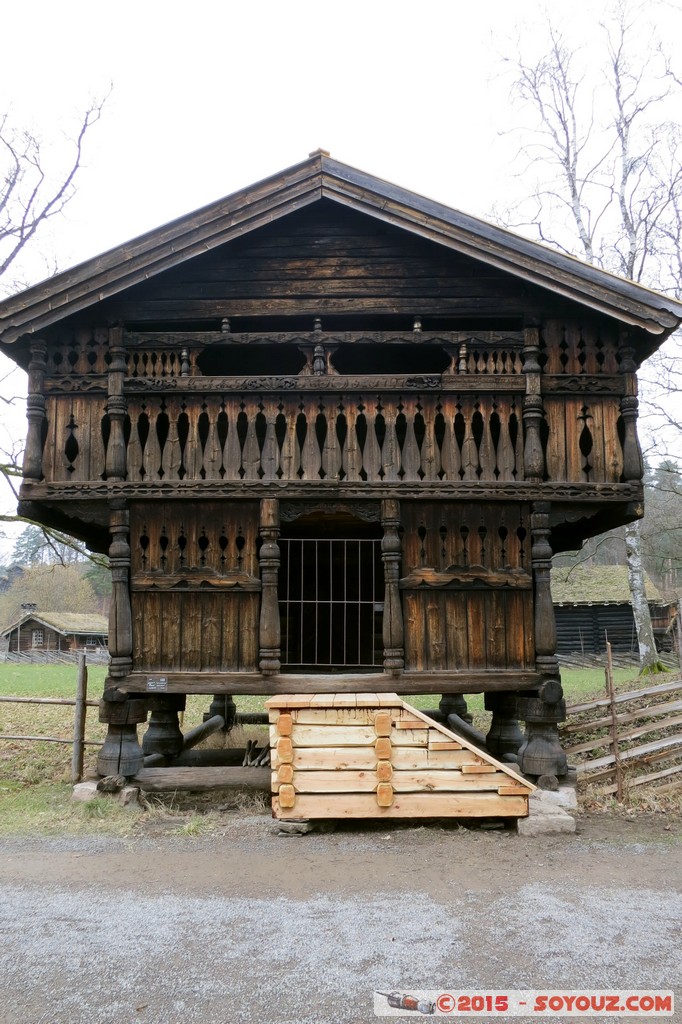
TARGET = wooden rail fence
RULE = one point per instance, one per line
(604, 738)
(80, 704)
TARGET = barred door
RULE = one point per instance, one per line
(331, 595)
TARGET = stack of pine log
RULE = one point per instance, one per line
(368, 755)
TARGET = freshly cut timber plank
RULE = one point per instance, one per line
(389, 700)
(478, 769)
(384, 771)
(352, 735)
(410, 723)
(321, 700)
(508, 790)
(444, 745)
(333, 735)
(368, 700)
(285, 773)
(350, 781)
(289, 700)
(408, 805)
(445, 782)
(333, 716)
(345, 700)
(336, 758)
(284, 748)
(416, 758)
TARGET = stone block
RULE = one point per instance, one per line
(84, 792)
(129, 797)
(545, 818)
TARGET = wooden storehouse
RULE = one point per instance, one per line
(592, 603)
(38, 632)
(330, 434)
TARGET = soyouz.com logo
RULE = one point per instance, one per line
(574, 1003)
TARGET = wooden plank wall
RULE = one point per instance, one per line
(470, 604)
(325, 260)
(195, 586)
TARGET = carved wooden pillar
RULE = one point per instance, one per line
(121, 753)
(545, 619)
(633, 464)
(391, 552)
(542, 710)
(533, 455)
(120, 612)
(115, 467)
(270, 630)
(223, 704)
(35, 412)
(504, 735)
(164, 735)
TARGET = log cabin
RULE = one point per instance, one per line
(330, 434)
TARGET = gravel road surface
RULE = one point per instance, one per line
(249, 926)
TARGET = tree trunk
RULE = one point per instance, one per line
(648, 656)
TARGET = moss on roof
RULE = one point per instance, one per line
(595, 584)
(66, 622)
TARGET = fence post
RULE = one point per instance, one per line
(79, 720)
(614, 725)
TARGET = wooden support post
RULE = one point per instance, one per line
(120, 612)
(545, 619)
(391, 553)
(35, 412)
(533, 454)
(121, 753)
(163, 735)
(633, 463)
(79, 720)
(269, 557)
(504, 735)
(455, 704)
(223, 704)
(115, 465)
(615, 748)
(541, 753)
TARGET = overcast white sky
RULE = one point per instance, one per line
(210, 96)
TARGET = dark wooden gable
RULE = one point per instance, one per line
(328, 260)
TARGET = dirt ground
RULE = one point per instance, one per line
(247, 925)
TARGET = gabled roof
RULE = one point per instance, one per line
(595, 584)
(305, 183)
(66, 623)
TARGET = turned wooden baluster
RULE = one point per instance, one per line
(232, 452)
(533, 455)
(270, 629)
(391, 552)
(115, 465)
(35, 412)
(371, 455)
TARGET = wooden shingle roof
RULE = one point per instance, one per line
(305, 183)
(66, 623)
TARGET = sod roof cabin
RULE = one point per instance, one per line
(593, 604)
(330, 433)
(39, 632)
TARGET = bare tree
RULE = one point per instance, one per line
(36, 184)
(608, 167)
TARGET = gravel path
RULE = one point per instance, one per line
(250, 926)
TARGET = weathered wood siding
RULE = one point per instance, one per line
(327, 260)
(195, 586)
(466, 586)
